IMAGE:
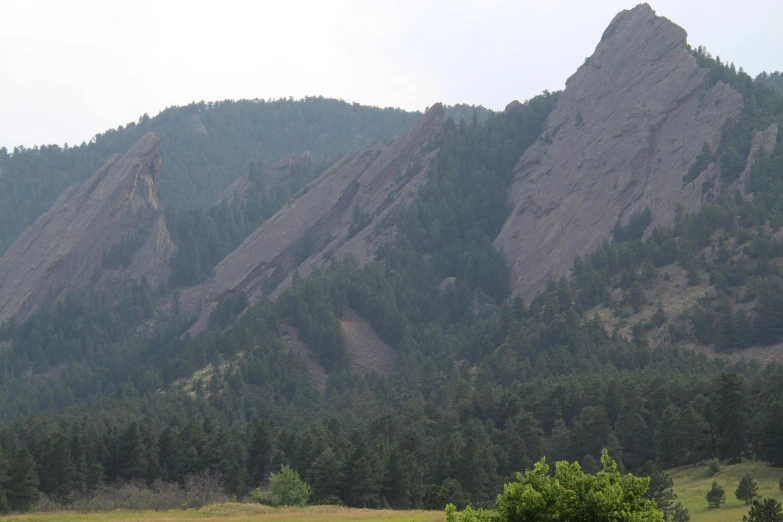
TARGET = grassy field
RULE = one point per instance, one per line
(692, 483)
(241, 513)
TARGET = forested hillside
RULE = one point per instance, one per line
(107, 387)
(484, 386)
(205, 146)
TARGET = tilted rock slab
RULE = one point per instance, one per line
(106, 231)
(621, 137)
(316, 225)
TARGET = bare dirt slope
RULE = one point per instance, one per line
(108, 230)
(621, 137)
(369, 354)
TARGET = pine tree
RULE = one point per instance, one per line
(631, 427)
(261, 452)
(4, 508)
(79, 465)
(169, 454)
(95, 474)
(132, 454)
(680, 513)
(715, 496)
(768, 511)
(235, 480)
(397, 480)
(56, 469)
(732, 421)
(661, 488)
(365, 478)
(22, 490)
(560, 442)
(747, 490)
(328, 476)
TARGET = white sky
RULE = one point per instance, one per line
(70, 69)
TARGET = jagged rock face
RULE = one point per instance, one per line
(764, 142)
(105, 231)
(621, 137)
(342, 212)
(196, 126)
(242, 187)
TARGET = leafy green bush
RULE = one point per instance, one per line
(570, 494)
(286, 489)
(713, 468)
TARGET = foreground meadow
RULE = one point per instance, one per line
(241, 513)
(692, 483)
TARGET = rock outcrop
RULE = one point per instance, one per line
(108, 230)
(630, 122)
(263, 181)
(196, 126)
(764, 142)
(344, 211)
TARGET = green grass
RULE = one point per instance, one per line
(240, 513)
(692, 483)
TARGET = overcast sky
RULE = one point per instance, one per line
(71, 69)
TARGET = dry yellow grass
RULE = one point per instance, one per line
(240, 513)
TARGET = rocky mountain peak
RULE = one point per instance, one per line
(630, 122)
(108, 230)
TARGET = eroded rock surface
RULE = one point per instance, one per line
(342, 212)
(764, 142)
(630, 122)
(274, 172)
(108, 230)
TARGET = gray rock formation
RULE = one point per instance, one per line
(241, 188)
(103, 232)
(764, 142)
(621, 137)
(344, 211)
(196, 126)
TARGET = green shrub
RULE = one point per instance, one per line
(713, 468)
(286, 489)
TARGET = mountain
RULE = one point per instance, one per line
(420, 369)
(346, 210)
(206, 146)
(97, 235)
(630, 124)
